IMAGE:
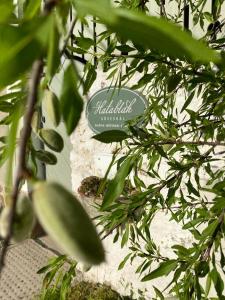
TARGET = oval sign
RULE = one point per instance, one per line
(111, 107)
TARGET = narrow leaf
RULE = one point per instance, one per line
(158, 34)
(53, 58)
(90, 78)
(111, 136)
(70, 99)
(164, 269)
(117, 184)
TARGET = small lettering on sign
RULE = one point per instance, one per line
(111, 107)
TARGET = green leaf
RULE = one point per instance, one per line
(32, 9)
(208, 285)
(210, 229)
(219, 186)
(11, 145)
(125, 236)
(158, 293)
(191, 189)
(90, 78)
(188, 101)
(53, 57)
(208, 16)
(160, 150)
(173, 82)
(163, 270)
(5, 106)
(46, 157)
(111, 136)
(202, 268)
(6, 10)
(52, 263)
(70, 100)
(192, 223)
(125, 48)
(123, 262)
(52, 139)
(116, 186)
(18, 50)
(84, 43)
(218, 282)
(158, 34)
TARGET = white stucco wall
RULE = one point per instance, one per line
(90, 157)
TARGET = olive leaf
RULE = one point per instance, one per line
(163, 270)
(173, 82)
(53, 58)
(70, 100)
(116, 186)
(158, 33)
(111, 136)
(90, 78)
(18, 50)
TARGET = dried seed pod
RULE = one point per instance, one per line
(23, 220)
(52, 139)
(66, 221)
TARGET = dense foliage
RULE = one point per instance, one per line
(178, 144)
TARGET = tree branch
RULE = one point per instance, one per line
(22, 171)
(181, 142)
(75, 57)
(159, 188)
(206, 253)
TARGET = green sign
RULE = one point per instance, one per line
(111, 107)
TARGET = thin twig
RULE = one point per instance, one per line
(25, 136)
(75, 57)
(162, 9)
(160, 187)
(181, 142)
(70, 32)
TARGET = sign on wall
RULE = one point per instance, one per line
(111, 107)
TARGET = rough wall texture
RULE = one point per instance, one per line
(90, 157)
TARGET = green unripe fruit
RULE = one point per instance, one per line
(46, 157)
(67, 223)
(23, 220)
(52, 139)
(52, 105)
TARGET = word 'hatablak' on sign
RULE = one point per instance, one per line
(110, 108)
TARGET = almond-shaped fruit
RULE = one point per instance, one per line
(23, 221)
(52, 139)
(67, 223)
